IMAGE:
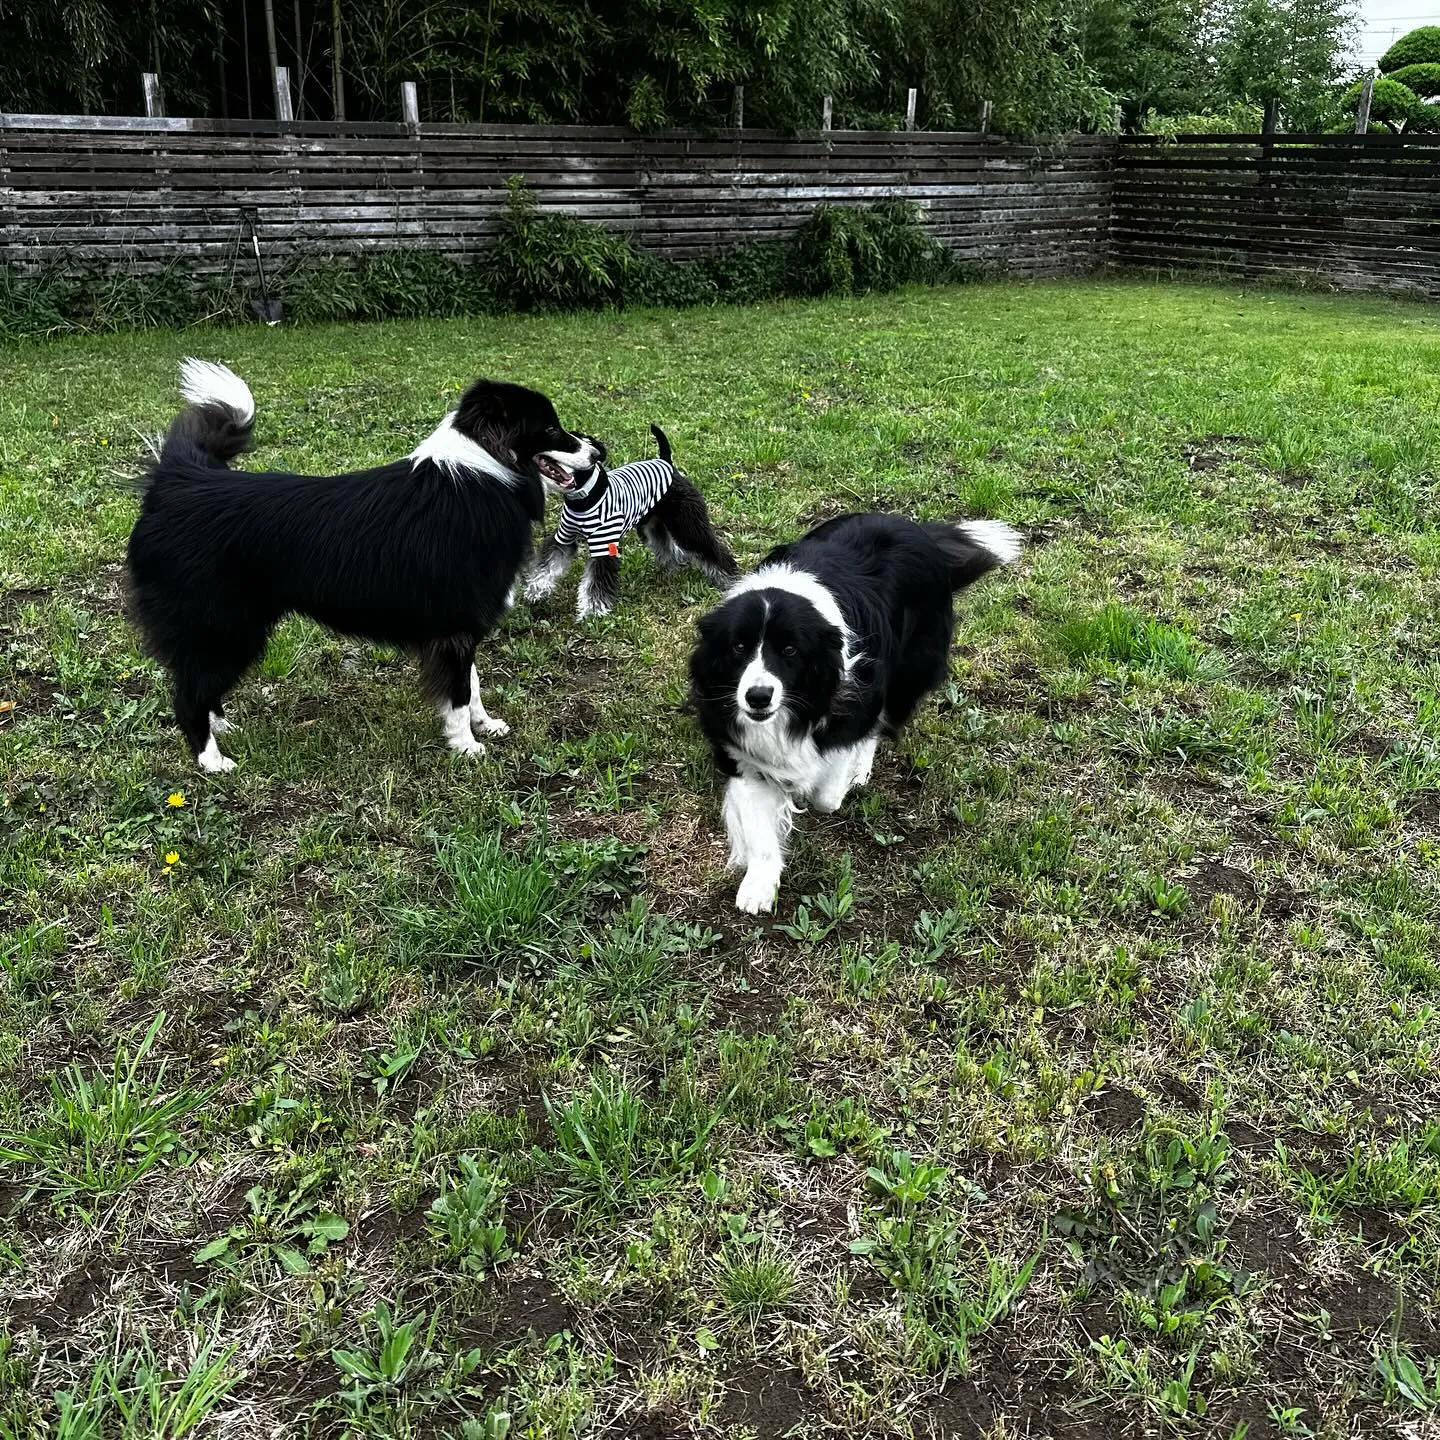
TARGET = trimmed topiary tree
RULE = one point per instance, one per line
(1424, 80)
(1418, 47)
(1393, 106)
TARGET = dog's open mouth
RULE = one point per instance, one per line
(555, 472)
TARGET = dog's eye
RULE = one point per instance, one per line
(738, 647)
(789, 650)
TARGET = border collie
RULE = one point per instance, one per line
(422, 554)
(602, 506)
(813, 659)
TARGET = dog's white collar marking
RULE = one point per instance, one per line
(446, 447)
(203, 382)
(800, 582)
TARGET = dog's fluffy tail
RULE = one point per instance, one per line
(218, 420)
(662, 442)
(973, 548)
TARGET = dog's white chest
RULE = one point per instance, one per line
(791, 762)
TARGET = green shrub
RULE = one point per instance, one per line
(538, 262)
(1418, 47)
(1392, 105)
(850, 249)
(380, 285)
(750, 272)
(1424, 80)
(554, 262)
(1240, 118)
(67, 295)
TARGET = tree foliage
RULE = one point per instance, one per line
(1151, 57)
(1424, 80)
(1213, 62)
(1045, 65)
(1420, 46)
(651, 64)
(1394, 107)
(1288, 51)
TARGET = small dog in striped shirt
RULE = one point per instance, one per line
(602, 506)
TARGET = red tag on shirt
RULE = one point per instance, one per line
(613, 548)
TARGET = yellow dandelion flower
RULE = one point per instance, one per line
(172, 857)
(176, 800)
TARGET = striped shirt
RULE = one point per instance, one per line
(635, 490)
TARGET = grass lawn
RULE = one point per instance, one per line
(1086, 1082)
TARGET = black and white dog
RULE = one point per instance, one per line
(602, 506)
(809, 662)
(422, 554)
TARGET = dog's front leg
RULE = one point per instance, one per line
(848, 768)
(600, 587)
(555, 559)
(757, 822)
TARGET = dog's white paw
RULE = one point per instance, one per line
(219, 725)
(491, 726)
(466, 745)
(212, 762)
(756, 895)
(540, 586)
(589, 609)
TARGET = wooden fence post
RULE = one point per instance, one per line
(154, 101)
(1271, 121)
(825, 114)
(910, 110)
(739, 116)
(284, 103)
(987, 109)
(1362, 112)
(410, 103)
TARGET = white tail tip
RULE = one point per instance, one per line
(1003, 542)
(203, 382)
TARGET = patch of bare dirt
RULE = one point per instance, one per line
(527, 1306)
(1269, 1243)
(1116, 1109)
(771, 1400)
(77, 1294)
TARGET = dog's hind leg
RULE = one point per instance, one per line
(681, 514)
(600, 586)
(192, 714)
(201, 685)
(555, 559)
(479, 720)
(667, 554)
(446, 669)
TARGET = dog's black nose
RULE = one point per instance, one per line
(758, 697)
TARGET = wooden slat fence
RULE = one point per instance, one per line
(143, 192)
(1353, 212)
